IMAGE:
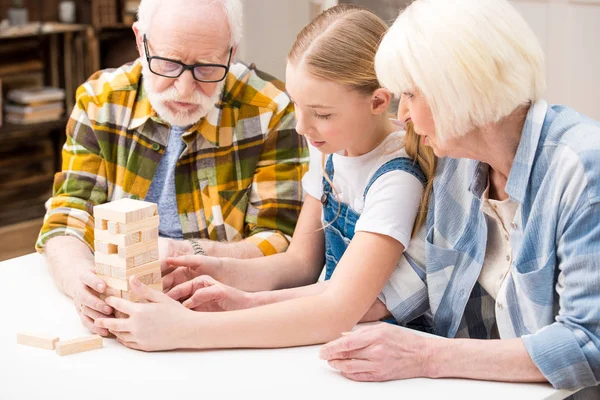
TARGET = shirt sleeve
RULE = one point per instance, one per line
(567, 352)
(391, 206)
(80, 185)
(275, 196)
(312, 182)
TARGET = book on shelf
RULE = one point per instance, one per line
(35, 96)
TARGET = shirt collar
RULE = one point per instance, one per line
(520, 171)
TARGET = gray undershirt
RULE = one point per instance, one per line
(162, 188)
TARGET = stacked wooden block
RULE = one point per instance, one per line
(126, 244)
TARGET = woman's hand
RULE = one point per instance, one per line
(160, 324)
(206, 294)
(377, 353)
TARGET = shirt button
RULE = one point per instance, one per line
(508, 258)
(513, 225)
(500, 306)
(501, 276)
(506, 237)
(155, 146)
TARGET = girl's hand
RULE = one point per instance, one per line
(160, 324)
(188, 267)
(206, 294)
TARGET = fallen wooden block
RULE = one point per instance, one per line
(43, 342)
(78, 345)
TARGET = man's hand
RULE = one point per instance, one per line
(172, 248)
(206, 294)
(377, 353)
(71, 265)
(186, 268)
(87, 301)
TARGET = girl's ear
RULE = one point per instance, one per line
(380, 101)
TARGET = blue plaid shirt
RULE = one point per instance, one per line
(551, 297)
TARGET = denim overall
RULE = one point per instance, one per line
(340, 231)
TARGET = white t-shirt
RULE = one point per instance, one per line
(392, 202)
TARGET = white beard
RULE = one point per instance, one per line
(179, 118)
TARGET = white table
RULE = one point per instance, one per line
(30, 302)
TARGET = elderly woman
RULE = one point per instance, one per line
(513, 241)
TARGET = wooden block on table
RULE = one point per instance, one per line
(125, 210)
(126, 239)
(78, 345)
(124, 273)
(115, 261)
(41, 341)
(117, 228)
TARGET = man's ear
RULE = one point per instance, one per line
(234, 52)
(139, 38)
(380, 101)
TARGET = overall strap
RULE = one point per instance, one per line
(398, 164)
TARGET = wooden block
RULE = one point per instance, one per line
(117, 228)
(115, 261)
(137, 249)
(146, 279)
(124, 273)
(125, 240)
(146, 257)
(100, 224)
(102, 268)
(118, 284)
(125, 210)
(43, 342)
(106, 248)
(156, 286)
(78, 345)
(157, 277)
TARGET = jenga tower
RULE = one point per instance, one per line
(126, 244)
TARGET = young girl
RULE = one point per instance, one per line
(364, 201)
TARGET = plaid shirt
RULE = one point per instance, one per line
(239, 176)
(551, 296)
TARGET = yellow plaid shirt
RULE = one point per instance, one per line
(239, 177)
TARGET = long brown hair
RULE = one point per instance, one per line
(339, 45)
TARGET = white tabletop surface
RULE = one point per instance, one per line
(29, 302)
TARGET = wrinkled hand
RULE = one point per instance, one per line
(378, 353)
(206, 294)
(171, 248)
(186, 268)
(159, 324)
(86, 291)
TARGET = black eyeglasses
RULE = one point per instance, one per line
(174, 68)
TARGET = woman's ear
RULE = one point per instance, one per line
(380, 101)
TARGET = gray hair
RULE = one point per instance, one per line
(233, 10)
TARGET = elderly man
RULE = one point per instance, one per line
(208, 140)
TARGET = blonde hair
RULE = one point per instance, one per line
(339, 46)
(474, 62)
